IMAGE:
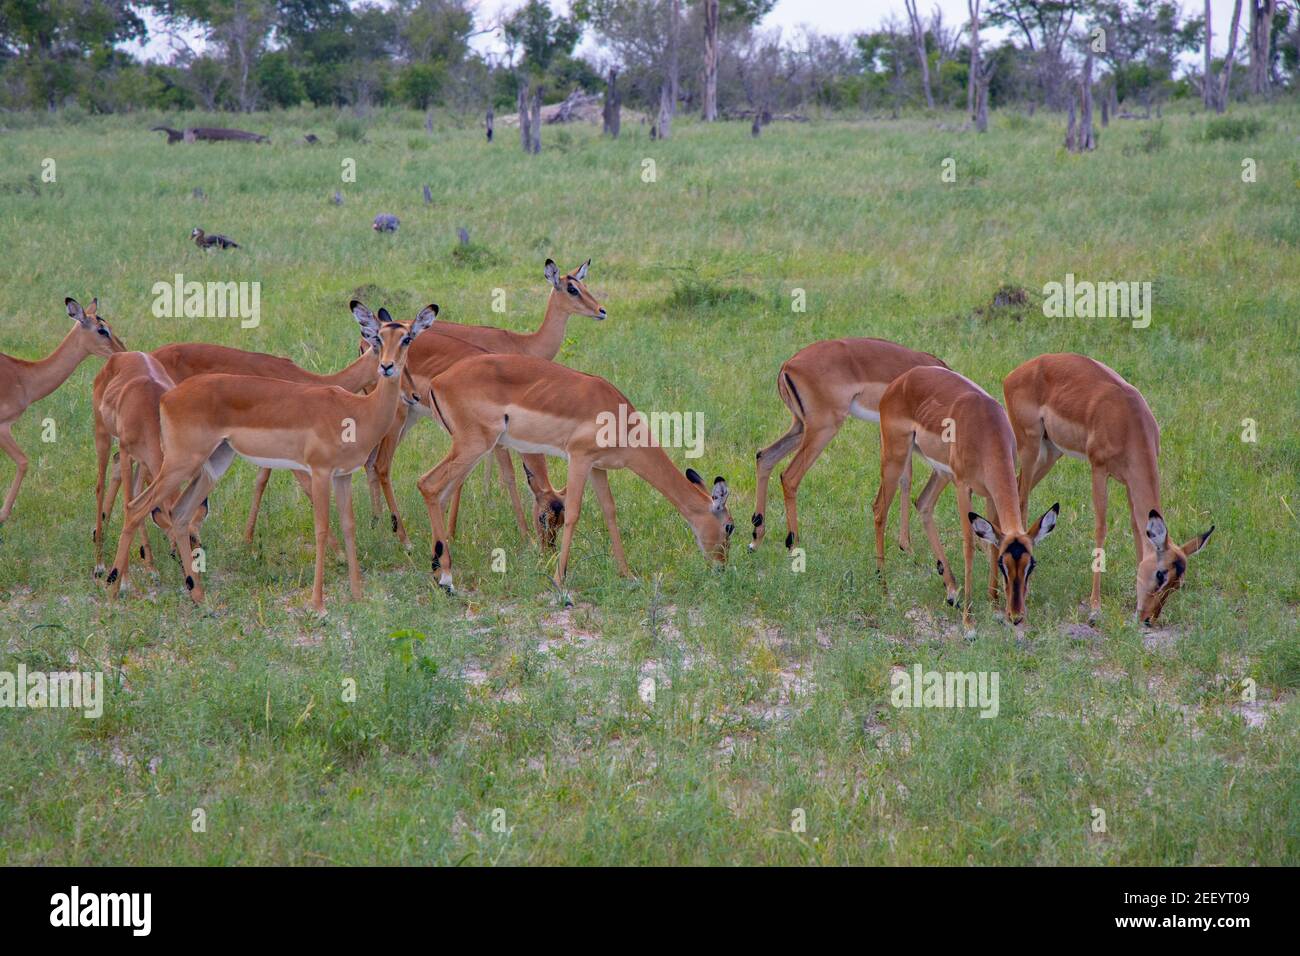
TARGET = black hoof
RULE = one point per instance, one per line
(789, 541)
(189, 583)
(112, 576)
(757, 520)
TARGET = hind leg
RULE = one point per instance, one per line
(767, 459)
(894, 451)
(814, 443)
(925, 508)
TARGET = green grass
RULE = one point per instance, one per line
(773, 688)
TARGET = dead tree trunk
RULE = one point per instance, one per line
(711, 17)
(1069, 130)
(1105, 107)
(535, 121)
(1207, 81)
(972, 85)
(982, 101)
(1261, 31)
(610, 112)
(1087, 138)
(918, 39)
(525, 133)
(489, 124)
(1225, 77)
(664, 126)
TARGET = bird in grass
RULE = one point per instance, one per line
(385, 222)
(204, 241)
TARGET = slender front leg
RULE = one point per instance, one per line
(600, 483)
(993, 554)
(442, 481)
(455, 512)
(925, 503)
(892, 466)
(259, 488)
(320, 506)
(11, 449)
(348, 522)
(579, 468)
(967, 551)
(1099, 502)
(103, 446)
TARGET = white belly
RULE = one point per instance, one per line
(276, 463)
(531, 448)
(857, 410)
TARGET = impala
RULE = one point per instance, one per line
(323, 430)
(530, 404)
(126, 395)
(1069, 404)
(964, 435)
(23, 382)
(823, 385)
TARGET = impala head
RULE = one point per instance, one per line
(1162, 568)
(196, 232)
(1015, 556)
(390, 339)
(571, 292)
(548, 508)
(92, 332)
(713, 536)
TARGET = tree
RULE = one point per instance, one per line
(922, 58)
(542, 37)
(1262, 13)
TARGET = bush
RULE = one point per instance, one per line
(350, 129)
(279, 82)
(1233, 129)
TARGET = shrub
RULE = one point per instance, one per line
(1233, 129)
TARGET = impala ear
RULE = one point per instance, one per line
(92, 310)
(1191, 547)
(581, 273)
(983, 528)
(366, 319)
(425, 319)
(1157, 533)
(694, 478)
(1044, 525)
(719, 495)
(76, 313)
(552, 273)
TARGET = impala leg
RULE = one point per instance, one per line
(442, 482)
(767, 459)
(320, 508)
(600, 484)
(10, 448)
(165, 489)
(114, 484)
(511, 484)
(133, 473)
(579, 468)
(383, 477)
(1099, 502)
(894, 452)
(103, 446)
(259, 488)
(925, 508)
(967, 552)
(813, 444)
(455, 512)
(348, 523)
(305, 482)
(905, 534)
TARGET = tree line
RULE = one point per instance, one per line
(713, 58)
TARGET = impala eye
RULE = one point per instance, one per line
(572, 289)
(406, 340)
(103, 331)
(730, 528)
(1160, 578)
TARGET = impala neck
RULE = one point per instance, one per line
(658, 470)
(1142, 478)
(546, 341)
(360, 374)
(43, 376)
(383, 399)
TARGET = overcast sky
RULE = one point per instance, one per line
(825, 16)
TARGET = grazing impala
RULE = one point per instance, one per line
(450, 342)
(823, 385)
(23, 382)
(533, 405)
(1070, 404)
(326, 431)
(964, 434)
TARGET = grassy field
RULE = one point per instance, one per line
(523, 737)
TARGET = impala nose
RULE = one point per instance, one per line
(387, 369)
(602, 314)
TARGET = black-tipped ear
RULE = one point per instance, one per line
(983, 528)
(384, 316)
(581, 273)
(719, 495)
(425, 319)
(1157, 532)
(1044, 525)
(1191, 547)
(552, 273)
(75, 312)
(693, 477)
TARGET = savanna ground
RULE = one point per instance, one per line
(772, 687)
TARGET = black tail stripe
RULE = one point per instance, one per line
(795, 392)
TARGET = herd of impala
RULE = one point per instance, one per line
(181, 413)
